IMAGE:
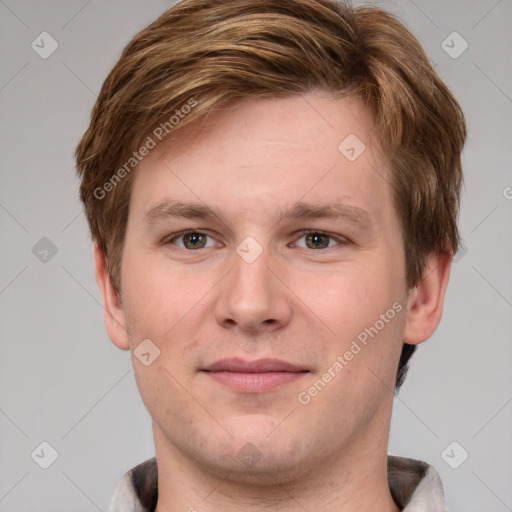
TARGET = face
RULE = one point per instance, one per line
(262, 240)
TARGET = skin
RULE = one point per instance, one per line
(295, 302)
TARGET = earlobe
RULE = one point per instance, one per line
(426, 299)
(113, 312)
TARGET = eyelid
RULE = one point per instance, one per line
(169, 239)
(341, 240)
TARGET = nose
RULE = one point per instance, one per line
(252, 298)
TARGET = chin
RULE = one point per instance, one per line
(257, 469)
(255, 457)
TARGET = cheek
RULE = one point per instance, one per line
(364, 310)
(166, 307)
(158, 295)
(352, 297)
(166, 397)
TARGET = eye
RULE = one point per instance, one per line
(317, 240)
(191, 240)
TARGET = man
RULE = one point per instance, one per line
(272, 188)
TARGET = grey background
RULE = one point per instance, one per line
(63, 382)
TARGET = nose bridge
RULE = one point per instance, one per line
(251, 297)
(251, 277)
(251, 268)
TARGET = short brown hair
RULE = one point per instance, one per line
(211, 53)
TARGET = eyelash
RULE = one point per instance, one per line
(305, 232)
(181, 234)
(340, 240)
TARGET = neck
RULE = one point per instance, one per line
(353, 479)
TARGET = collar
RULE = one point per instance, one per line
(414, 485)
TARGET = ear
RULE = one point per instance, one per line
(113, 309)
(426, 299)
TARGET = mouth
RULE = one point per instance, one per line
(254, 376)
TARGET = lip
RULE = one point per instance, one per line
(257, 366)
(254, 376)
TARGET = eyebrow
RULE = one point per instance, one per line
(166, 208)
(336, 211)
(300, 210)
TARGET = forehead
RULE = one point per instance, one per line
(299, 122)
(264, 152)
